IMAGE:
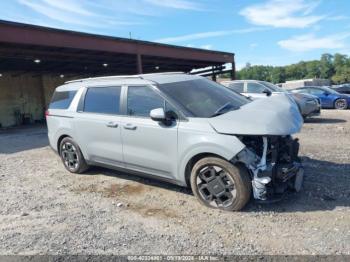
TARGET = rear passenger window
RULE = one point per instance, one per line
(102, 100)
(142, 99)
(61, 100)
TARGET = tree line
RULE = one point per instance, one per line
(334, 67)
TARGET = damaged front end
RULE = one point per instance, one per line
(273, 163)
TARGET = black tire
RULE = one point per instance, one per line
(71, 156)
(341, 104)
(221, 181)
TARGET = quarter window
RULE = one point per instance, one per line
(141, 100)
(62, 100)
(255, 88)
(102, 100)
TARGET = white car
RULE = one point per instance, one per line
(308, 105)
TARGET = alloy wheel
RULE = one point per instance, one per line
(341, 104)
(216, 186)
(70, 155)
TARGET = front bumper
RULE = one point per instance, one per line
(311, 109)
(278, 168)
(287, 178)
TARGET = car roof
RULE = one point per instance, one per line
(142, 79)
(239, 81)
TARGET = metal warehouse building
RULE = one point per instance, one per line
(34, 60)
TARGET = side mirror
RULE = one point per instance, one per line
(267, 92)
(158, 114)
(326, 93)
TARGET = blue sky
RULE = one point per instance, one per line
(269, 32)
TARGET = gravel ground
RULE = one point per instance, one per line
(46, 210)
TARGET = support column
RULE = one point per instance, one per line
(139, 64)
(233, 71)
(213, 77)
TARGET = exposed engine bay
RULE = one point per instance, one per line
(273, 163)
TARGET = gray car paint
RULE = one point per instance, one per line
(163, 151)
(275, 115)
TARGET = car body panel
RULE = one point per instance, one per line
(261, 118)
(98, 139)
(197, 136)
(149, 146)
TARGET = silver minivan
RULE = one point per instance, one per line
(183, 129)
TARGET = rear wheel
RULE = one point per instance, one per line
(72, 157)
(341, 104)
(219, 184)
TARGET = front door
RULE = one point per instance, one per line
(98, 125)
(149, 146)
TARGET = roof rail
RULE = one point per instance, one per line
(102, 78)
(163, 73)
(119, 77)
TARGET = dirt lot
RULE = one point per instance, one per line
(45, 209)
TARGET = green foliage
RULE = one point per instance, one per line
(335, 67)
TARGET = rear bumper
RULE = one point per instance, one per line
(51, 144)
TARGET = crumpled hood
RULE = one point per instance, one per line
(275, 115)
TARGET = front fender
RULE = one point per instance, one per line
(225, 146)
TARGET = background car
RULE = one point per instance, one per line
(309, 105)
(343, 89)
(329, 98)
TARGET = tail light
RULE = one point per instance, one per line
(47, 113)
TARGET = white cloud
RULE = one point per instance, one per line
(56, 14)
(69, 6)
(176, 4)
(204, 35)
(72, 13)
(253, 45)
(309, 42)
(338, 18)
(282, 13)
(208, 47)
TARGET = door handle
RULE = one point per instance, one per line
(112, 124)
(129, 126)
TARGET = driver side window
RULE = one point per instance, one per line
(141, 100)
(255, 88)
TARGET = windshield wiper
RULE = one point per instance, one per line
(224, 109)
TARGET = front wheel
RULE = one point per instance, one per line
(219, 184)
(72, 157)
(341, 104)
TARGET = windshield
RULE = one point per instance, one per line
(273, 87)
(203, 98)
